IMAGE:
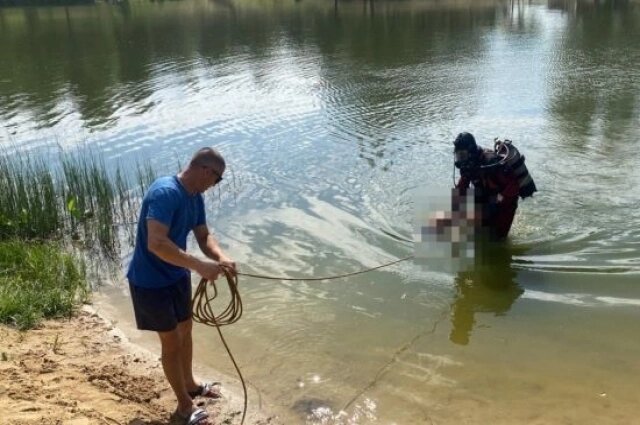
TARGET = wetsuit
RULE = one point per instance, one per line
(489, 179)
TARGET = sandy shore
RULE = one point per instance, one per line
(82, 371)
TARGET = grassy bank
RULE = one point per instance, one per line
(38, 280)
(49, 214)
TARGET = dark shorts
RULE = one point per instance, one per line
(161, 309)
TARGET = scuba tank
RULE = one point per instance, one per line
(511, 158)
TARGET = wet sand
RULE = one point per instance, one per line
(82, 371)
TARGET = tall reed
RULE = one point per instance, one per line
(44, 206)
(29, 206)
(79, 200)
(90, 201)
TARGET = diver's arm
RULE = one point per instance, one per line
(463, 182)
(463, 185)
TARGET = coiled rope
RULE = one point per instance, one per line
(205, 294)
(203, 313)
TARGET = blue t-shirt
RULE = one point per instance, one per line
(168, 202)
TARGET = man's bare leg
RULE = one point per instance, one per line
(186, 357)
(172, 364)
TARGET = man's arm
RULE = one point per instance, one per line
(159, 244)
(209, 247)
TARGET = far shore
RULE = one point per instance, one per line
(82, 371)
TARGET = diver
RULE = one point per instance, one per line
(498, 176)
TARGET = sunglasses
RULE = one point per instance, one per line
(219, 176)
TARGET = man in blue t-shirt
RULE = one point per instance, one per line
(160, 272)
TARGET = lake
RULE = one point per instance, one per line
(332, 116)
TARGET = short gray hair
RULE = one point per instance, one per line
(207, 157)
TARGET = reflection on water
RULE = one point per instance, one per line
(489, 287)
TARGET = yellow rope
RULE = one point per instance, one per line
(203, 310)
(338, 276)
(203, 313)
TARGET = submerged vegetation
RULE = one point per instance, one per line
(49, 216)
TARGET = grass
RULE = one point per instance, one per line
(79, 201)
(39, 280)
(90, 200)
(47, 214)
(29, 206)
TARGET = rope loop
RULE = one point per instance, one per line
(202, 311)
(202, 302)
